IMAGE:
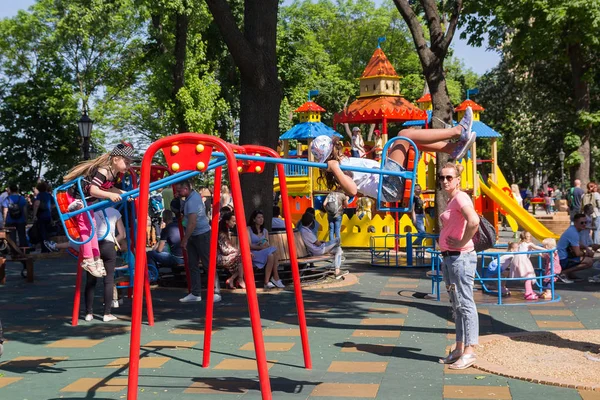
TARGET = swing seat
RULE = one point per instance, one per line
(409, 177)
(408, 182)
(70, 224)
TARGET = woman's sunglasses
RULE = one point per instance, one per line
(448, 178)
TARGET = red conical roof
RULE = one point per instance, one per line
(379, 65)
(310, 106)
(424, 99)
(376, 109)
(474, 106)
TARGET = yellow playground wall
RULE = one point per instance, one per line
(355, 231)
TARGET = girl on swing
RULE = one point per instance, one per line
(99, 177)
(329, 150)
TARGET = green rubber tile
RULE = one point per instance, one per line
(530, 391)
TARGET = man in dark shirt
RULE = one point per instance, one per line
(574, 198)
(170, 235)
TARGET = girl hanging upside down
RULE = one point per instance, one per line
(328, 150)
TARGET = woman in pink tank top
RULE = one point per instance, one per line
(459, 223)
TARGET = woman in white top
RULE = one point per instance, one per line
(226, 200)
(329, 150)
(108, 253)
(514, 188)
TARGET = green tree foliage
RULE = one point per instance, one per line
(37, 133)
(530, 106)
(530, 32)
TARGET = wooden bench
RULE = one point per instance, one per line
(16, 254)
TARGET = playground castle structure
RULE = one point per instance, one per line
(380, 103)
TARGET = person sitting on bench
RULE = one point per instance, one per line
(316, 247)
(170, 235)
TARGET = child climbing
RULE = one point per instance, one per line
(99, 178)
(330, 151)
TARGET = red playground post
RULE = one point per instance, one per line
(183, 152)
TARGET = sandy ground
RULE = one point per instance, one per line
(551, 355)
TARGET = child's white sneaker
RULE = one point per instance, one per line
(462, 147)
(109, 317)
(278, 283)
(91, 267)
(100, 266)
(190, 298)
(75, 205)
(466, 123)
(89, 317)
(50, 245)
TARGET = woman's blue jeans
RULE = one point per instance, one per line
(335, 225)
(596, 232)
(459, 275)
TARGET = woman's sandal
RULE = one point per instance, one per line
(241, 284)
(531, 296)
(464, 362)
(546, 295)
(451, 358)
(230, 283)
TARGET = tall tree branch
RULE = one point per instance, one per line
(240, 49)
(416, 30)
(452, 25)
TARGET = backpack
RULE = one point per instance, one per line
(485, 237)
(589, 198)
(570, 197)
(14, 209)
(156, 206)
(334, 204)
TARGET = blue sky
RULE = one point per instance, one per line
(478, 59)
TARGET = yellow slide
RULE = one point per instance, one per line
(504, 184)
(508, 204)
(295, 185)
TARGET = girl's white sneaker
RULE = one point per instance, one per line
(89, 317)
(278, 283)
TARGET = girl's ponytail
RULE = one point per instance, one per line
(85, 168)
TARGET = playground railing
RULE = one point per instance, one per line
(402, 251)
(497, 278)
(295, 170)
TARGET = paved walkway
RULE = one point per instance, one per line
(373, 339)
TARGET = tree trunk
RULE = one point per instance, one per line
(181, 31)
(259, 124)
(254, 53)
(581, 91)
(442, 109)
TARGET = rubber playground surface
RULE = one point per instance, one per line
(372, 339)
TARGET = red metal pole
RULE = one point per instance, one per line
(141, 271)
(77, 295)
(287, 212)
(259, 345)
(149, 308)
(212, 269)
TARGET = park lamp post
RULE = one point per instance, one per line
(561, 157)
(93, 151)
(85, 124)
